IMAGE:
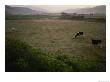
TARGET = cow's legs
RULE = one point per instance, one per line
(76, 35)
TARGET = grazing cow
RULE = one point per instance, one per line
(97, 42)
(13, 29)
(78, 34)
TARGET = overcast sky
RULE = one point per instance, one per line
(55, 8)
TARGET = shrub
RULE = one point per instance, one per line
(21, 57)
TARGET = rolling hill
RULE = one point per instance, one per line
(98, 9)
(22, 11)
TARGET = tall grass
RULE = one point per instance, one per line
(21, 57)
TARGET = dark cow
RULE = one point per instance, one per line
(97, 42)
(78, 34)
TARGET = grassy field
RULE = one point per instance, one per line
(55, 37)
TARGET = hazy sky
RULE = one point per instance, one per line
(55, 8)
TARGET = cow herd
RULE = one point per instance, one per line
(94, 42)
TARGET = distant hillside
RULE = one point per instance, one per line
(98, 9)
(22, 11)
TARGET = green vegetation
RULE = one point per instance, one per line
(81, 17)
(71, 17)
(20, 17)
(63, 16)
(21, 57)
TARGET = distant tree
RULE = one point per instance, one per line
(64, 14)
(91, 14)
(74, 13)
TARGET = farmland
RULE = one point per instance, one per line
(55, 38)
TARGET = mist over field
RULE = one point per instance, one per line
(58, 38)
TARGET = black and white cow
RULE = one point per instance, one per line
(78, 34)
(13, 29)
